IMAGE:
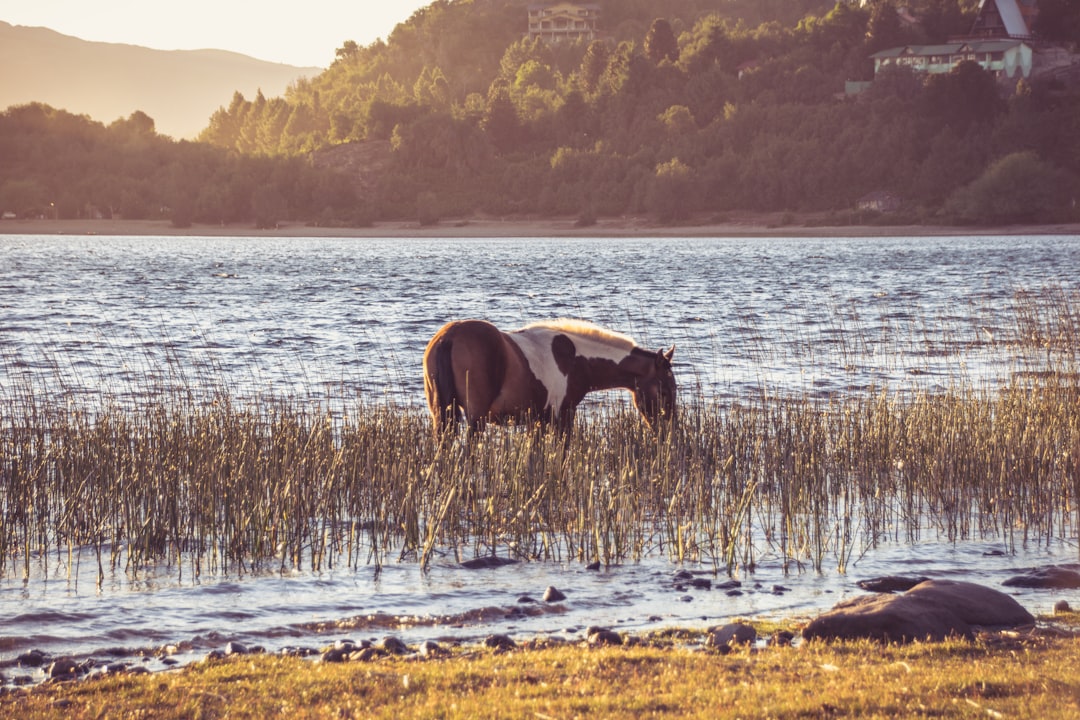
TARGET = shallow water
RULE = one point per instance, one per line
(106, 318)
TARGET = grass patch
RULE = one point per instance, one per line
(995, 676)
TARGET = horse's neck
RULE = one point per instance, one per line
(604, 375)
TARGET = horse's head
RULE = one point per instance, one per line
(654, 393)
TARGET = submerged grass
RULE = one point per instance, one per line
(994, 676)
(215, 483)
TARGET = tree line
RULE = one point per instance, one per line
(686, 108)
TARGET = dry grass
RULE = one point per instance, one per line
(212, 483)
(992, 677)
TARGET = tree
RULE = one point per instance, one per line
(593, 65)
(1017, 188)
(965, 95)
(669, 195)
(883, 29)
(1058, 21)
(500, 120)
(660, 43)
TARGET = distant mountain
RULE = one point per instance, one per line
(179, 89)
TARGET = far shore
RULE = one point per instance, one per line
(487, 227)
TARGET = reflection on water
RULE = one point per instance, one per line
(104, 318)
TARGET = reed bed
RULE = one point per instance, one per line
(214, 483)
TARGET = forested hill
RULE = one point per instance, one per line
(685, 108)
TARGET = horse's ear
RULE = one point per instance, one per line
(663, 356)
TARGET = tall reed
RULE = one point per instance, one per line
(212, 482)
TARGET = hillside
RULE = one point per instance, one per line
(179, 89)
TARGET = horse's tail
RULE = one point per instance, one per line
(446, 405)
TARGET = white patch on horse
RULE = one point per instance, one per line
(535, 343)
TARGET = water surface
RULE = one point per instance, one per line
(101, 318)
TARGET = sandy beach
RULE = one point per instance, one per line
(485, 227)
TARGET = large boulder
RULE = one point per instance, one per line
(932, 610)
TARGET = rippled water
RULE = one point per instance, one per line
(105, 317)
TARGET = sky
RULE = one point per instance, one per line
(295, 32)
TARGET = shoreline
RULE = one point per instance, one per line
(621, 227)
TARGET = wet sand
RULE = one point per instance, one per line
(484, 227)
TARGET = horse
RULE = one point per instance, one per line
(539, 373)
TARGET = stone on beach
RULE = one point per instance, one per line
(932, 610)
(1057, 577)
(736, 633)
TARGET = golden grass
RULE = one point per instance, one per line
(994, 676)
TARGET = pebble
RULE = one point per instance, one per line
(499, 642)
(603, 636)
(392, 646)
(335, 655)
(1062, 607)
(33, 658)
(432, 649)
(732, 634)
(62, 668)
(553, 594)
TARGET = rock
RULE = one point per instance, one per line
(214, 655)
(780, 589)
(32, 658)
(932, 610)
(595, 566)
(553, 594)
(736, 633)
(62, 668)
(431, 649)
(729, 585)
(526, 600)
(602, 636)
(335, 655)
(701, 583)
(891, 583)
(392, 646)
(235, 648)
(1062, 607)
(364, 655)
(490, 561)
(782, 638)
(1056, 577)
(499, 642)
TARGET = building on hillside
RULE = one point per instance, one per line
(879, 201)
(560, 21)
(1002, 19)
(1007, 58)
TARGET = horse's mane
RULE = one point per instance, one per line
(584, 328)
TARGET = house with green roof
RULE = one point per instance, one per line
(1007, 58)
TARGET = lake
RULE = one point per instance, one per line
(101, 319)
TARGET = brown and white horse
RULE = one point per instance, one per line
(539, 373)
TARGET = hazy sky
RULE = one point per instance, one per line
(297, 32)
